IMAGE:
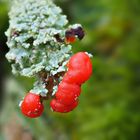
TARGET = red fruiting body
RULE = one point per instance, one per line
(81, 61)
(59, 107)
(73, 77)
(70, 39)
(67, 93)
(32, 106)
(79, 70)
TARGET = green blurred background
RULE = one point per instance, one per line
(109, 107)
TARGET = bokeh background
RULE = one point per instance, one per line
(109, 106)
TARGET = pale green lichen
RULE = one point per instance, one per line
(33, 47)
(39, 88)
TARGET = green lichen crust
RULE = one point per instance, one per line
(32, 44)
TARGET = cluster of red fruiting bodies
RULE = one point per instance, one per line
(69, 89)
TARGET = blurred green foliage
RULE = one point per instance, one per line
(109, 107)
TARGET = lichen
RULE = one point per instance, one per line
(31, 37)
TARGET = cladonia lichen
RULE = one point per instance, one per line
(33, 47)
